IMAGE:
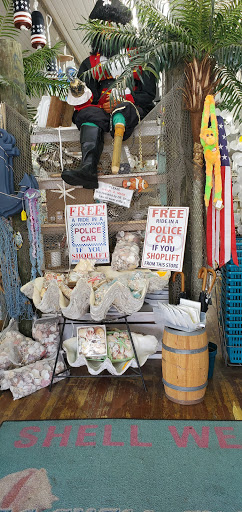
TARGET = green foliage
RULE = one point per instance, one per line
(7, 28)
(191, 29)
(37, 83)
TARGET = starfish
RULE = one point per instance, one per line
(62, 191)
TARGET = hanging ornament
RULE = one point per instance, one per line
(38, 38)
(22, 15)
(32, 206)
(52, 66)
(23, 215)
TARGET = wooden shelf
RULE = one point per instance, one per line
(71, 134)
(152, 178)
(53, 229)
(130, 225)
(113, 226)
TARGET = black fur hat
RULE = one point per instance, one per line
(111, 10)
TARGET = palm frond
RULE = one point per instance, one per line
(7, 28)
(158, 25)
(231, 91)
(38, 60)
(4, 82)
(108, 36)
(14, 84)
(197, 17)
(37, 84)
(157, 28)
(32, 113)
(36, 81)
(227, 29)
(195, 31)
(230, 56)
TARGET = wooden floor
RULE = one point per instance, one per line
(125, 398)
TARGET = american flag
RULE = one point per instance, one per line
(221, 237)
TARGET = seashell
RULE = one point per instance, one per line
(35, 373)
(90, 333)
(100, 349)
(44, 374)
(45, 383)
(37, 334)
(99, 331)
(82, 332)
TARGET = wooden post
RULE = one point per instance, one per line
(12, 68)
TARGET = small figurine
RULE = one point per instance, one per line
(135, 184)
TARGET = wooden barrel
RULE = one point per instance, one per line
(185, 361)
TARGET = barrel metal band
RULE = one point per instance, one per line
(179, 351)
(180, 388)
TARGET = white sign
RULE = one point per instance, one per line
(165, 238)
(88, 232)
(112, 194)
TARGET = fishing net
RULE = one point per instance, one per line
(159, 151)
(18, 126)
(16, 302)
(13, 266)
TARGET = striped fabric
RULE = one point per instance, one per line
(221, 237)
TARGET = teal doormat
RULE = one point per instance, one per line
(121, 466)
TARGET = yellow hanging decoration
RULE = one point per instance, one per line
(23, 215)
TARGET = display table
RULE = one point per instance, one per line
(112, 320)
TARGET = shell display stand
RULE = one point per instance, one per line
(135, 373)
(57, 147)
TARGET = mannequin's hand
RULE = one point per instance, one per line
(108, 107)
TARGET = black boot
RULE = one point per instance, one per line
(92, 141)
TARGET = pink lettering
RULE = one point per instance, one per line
(201, 441)
(134, 437)
(51, 434)
(108, 436)
(222, 438)
(82, 433)
(32, 439)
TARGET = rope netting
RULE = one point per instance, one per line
(167, 166)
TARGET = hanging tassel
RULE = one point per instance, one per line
(22, 15)
(38, 38)
(32, 204)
